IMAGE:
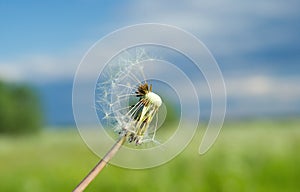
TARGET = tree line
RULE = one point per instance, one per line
(20, 109)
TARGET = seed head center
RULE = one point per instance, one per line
(154, 98)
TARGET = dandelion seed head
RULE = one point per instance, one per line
(125, 100)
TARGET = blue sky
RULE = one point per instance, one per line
(50, 27)
(256, 43)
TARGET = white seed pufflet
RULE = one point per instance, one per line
(141, 114)
(154, 98)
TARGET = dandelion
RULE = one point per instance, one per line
(142, 113)
(132, 122)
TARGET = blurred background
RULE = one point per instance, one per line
(256, 44)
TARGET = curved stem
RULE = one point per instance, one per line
(100, 165)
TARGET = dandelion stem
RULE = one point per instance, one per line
(100, 165)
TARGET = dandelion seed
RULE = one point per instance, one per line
(142, 113)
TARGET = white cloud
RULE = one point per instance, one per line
(257, 95)
(10, 72)
(264, 87)
(228, 27)
(38, 68)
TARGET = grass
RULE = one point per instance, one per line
(248, 156)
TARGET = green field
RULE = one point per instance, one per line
(248, 156)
